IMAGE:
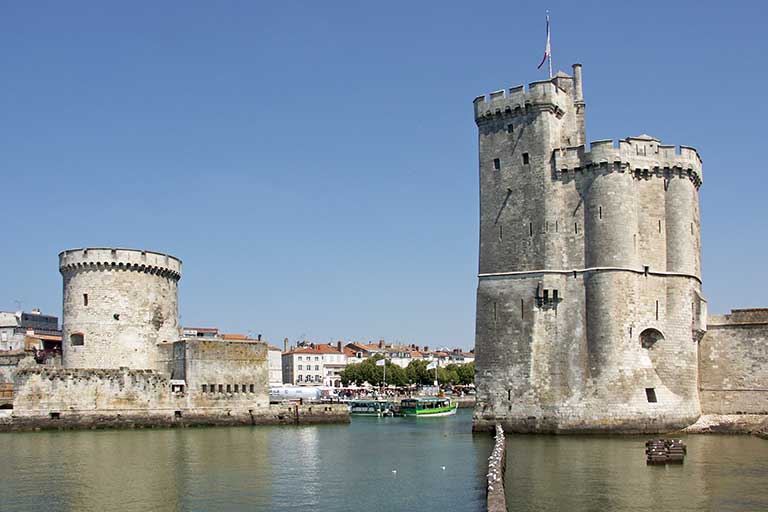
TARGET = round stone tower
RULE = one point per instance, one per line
(119, 305)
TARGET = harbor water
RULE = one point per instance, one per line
(372, 464)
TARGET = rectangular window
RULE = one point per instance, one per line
(650, 394)
(212, 387)
(221, 388)
(522, 311)
(510, 128)
(576, 227)
(497, 164)
(501, 234)
(554, 296)
(229, 388)
(530, 229)
(85, 299)
(657, 310)
(546, 295)
(236, 386)
(300, 367)
(600, 212)
(317, 368)
(526, 160)
(252, 386)
(298, 379)
(659, 225)
(299, 358)
(205, 388)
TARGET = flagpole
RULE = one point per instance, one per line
(549, 47)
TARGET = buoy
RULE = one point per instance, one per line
(394, 471)
(443, 468)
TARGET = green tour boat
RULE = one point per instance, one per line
(370, 408)
(429, 407)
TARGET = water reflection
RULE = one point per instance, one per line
(339, 468)
(609, 473)
(330, 468)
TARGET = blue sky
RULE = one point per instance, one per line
(314, 163)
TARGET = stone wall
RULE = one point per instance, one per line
(203, 378)
(216, 371)
(733, 363)
(496, 499)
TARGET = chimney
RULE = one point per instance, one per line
(381, 343)
(426, 348)
(285, 345)
(577, 89)
(338, 346)
(259, 338)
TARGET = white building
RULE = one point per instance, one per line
(275, 365)
(314, 365)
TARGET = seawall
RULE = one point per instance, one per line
(292, 414)
(497, 464)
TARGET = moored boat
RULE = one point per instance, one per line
(370, 408)
(428, 407)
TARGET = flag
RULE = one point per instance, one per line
(546, 49)
(381, 362)
(432, 365)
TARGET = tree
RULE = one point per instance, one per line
(417, 372)
(466, 373)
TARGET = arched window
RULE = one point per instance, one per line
(76, 339)
(649, 337)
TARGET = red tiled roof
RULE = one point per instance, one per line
(270, 347)
(46, 337)
(318, 349)
(235, 337)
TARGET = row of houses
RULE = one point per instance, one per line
(310, 364)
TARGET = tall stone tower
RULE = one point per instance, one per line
(589, 305)
(119, 305)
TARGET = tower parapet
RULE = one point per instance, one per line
(641, 155)
(121, 259)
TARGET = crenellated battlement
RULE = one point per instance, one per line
(642, 155)
(120, 259)
(517, 100)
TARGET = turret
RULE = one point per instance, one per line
(119, 306)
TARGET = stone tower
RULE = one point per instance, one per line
(589, 305)
(119, 305)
